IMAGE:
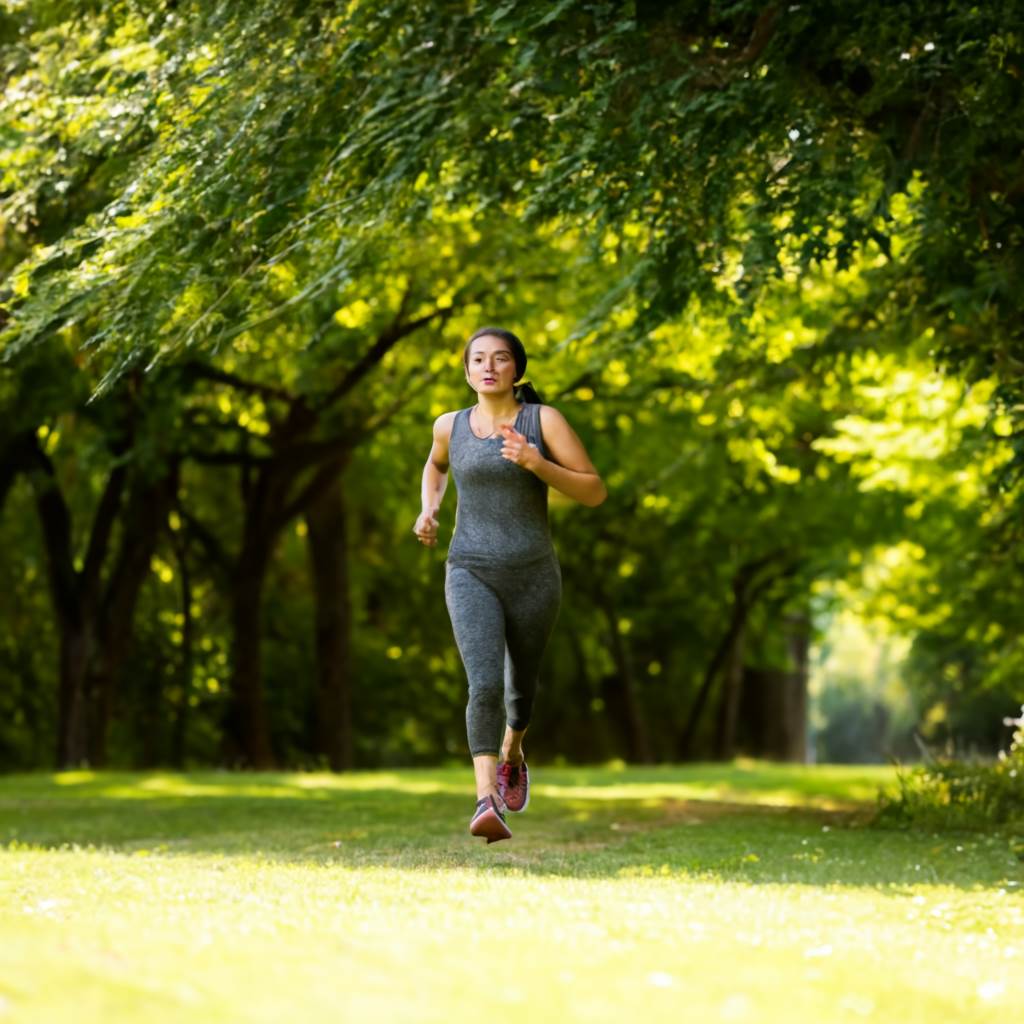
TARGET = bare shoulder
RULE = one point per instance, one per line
(551, 418)
(441, 441)
(562, 442)
(443, 426)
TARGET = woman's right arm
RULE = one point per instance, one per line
(435, 480)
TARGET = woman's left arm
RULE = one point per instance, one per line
(569, 469)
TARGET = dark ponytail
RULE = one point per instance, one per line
(524, 391)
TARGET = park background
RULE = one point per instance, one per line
(766, 259)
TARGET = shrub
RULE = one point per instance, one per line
(952, 794)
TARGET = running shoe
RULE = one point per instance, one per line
(514, 785)
(489, 821)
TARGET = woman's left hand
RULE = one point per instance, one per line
(517, 449)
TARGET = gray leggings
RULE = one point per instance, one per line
(502, 617)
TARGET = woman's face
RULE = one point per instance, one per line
(491, 367)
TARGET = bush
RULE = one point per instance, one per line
(946, 794)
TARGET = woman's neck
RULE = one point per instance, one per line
(497, 407)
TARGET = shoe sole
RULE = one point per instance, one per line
(488, 825)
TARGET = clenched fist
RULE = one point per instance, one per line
(426, 528)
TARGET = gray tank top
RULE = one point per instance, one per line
(502, 511)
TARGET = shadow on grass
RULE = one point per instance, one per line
(701, 823)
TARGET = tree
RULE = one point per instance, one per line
(734, 206)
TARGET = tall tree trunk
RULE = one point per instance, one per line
(75, 596)
(144, 519)
(270, 505)
(732, 685)
(774, 701)
(590, 738)
(271, 502)
(793, 745)
(328, 553)
(737, 619)
(746, 588)
(179, 731)
(246, 741)
(74, 621)
(76, 644)
(621, 691)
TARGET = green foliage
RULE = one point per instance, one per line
(737, 239)
(958, 794)
(724, 145)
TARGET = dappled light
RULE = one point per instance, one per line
(741, 550)
(236, 304)
(645, 885)
(795, 825)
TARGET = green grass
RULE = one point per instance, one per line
(744, 892)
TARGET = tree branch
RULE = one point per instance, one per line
(226, 458)
(321, 480)
(203, 371)
(382, 420)
(102, 527)
(19, 455)
(209, 542)
(55, 519)
(386, 340)
(764, 29)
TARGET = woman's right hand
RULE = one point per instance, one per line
(426, 528)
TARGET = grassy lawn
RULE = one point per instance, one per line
(746, 892)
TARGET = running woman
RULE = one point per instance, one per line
(503, 583)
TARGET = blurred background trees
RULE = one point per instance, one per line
(766, 258)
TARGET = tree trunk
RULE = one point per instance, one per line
(774, 701)
(246, 741)
(73, 622)
(587, 730)
(179, 731)
(270, 503)
(328, 553)
(620, 692)
(75, 596)
(746, 588)
(269, 506)
(793, 720)
(76, 643)
(732, 685)
(737, 618)
(144, 519)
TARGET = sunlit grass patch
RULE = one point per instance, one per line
(744, 781)
(708, 892)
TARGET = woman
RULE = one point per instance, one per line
(502, 580)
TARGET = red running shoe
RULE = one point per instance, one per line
(514, 785)
(488, 821)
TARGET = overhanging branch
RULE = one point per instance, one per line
(384, 343)
(321, 480)
(205, 372)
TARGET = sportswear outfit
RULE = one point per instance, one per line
(503, 584)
